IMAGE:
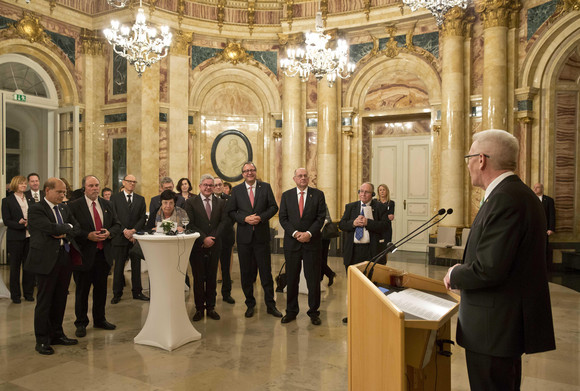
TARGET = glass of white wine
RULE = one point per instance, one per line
(185, 222)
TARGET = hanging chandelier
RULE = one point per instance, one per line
(118, 3)
(139, 44)
(438, 8)
(315, 58)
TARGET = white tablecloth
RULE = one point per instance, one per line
(168, 325)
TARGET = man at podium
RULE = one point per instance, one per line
(505, 302)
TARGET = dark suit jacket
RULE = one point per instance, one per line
(550, 210)
(154, 206)
(130, 218)
(11, 215)
(42, 225)
(28, 195)
(312, 218)
(376, 227)
(80, 210)
(239, 207)
(505, 302)
(228, 235)
(199, 222)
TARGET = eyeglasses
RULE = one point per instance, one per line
(249, 171)
(467, 157)
(128, 181)
(207, 185)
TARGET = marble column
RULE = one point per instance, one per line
(495, 16)
(178, 69)
(293, 130)
(143, 129)
(327, 162)
(452, 146)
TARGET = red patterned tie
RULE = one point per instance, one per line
(207, 208)
(98, 224)
(301, 203)
(251, 196)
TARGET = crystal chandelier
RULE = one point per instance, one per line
(315, 58)
(437, 7)
(140, 44)
(117, 3)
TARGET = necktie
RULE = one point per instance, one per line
(301, 203)
(98, 224)
(59, 220)
(36, 198)
(359, 231)
(252, 196)
(208, 208)
(129, 200)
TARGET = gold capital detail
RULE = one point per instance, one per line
(30, 28)
(289, 13)
(454, 24)
(221, 14)
(567, 6)
(181, 42)
(277, 135)
(234, 53)
(251, 14)
(392, 49)
(91, 44)
(495, 13)
(180, 11)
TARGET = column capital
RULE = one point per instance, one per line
(181, 42)
(495, 13)
(567, 6)
(91, 43)
(454, 23)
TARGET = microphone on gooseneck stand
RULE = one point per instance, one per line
(394, 247)
(385, 251)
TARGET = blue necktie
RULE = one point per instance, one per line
(359, 231)
(59, 220)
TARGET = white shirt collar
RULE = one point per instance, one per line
(127, 194)
(305, 191)
(496, 182)
(248, 186)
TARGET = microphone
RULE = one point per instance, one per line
(393, 247)
(375, 258)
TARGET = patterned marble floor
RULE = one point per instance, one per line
(242, 354)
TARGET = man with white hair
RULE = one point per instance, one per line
(505, 302)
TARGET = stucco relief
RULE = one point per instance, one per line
(232, 99)
(396, 90)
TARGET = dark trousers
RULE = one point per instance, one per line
(360, 253)
(311, 260)
(204, 265)
(97, 277)
(17, 252)
(488, 373)
(325, 269)
(120, 254)
(225, 262)
(51, 299)
(255, 257)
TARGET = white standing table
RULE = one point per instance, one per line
(167, 325)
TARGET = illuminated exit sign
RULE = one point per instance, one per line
(19, 97)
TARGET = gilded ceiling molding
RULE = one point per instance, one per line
(494, 13)
(454, 23)
(221, 13)
(567, 6)
(234, 53)
(392, 50)
(91, 43)
(52, 4)
(324, 11)
(289, 13)
(180, 11)
(251, 15)
(367, 8)
(181, 42)
(294, 39)
(30, 28)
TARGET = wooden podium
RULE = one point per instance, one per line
(387, 351)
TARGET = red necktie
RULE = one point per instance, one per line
(207, 208)
(301, 203)
(98, 224)
(251, 196)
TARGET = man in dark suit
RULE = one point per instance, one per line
(252, 205)
(207, 216)
(228, 240)
(129, 208)
(34, 192)
(52, 230)
(549, 208)
(166, 183)
(98, 225)
(302, 213)
(364, 222)
(505, 302)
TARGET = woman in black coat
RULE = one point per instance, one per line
(15, 217)
(384, 197)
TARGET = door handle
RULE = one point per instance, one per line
(405, 204)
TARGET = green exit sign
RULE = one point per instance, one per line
(20, 97)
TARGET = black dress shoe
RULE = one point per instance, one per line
(105, 325)
(64, 340)
(115, 300)
(274, 312)
(197, 316)
(16, 301)
(214, 315)
(229, 299)
(81, 331)
(44, 348)
(331, 279)
(249, 312)
(288, 318)
(345, 320)
(28, 298)
(315, 320)
(140, 296)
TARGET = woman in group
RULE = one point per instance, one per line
(384, 197)
(227, 188)
(15, 217)
(168, 210)
(184, 188)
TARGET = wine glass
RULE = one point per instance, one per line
(185, 222)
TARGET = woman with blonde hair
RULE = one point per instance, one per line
(384, 197)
